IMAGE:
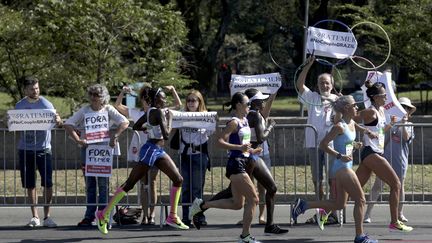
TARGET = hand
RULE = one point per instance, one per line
(113, 141)
(357, 145)
(272, 122)
(405, 118)
(245, 147)
(82, 142)
(58, 120)
(169, 88)
(256, 151)
(346, 158)
(393, 120)
(372, 135)
(126, 90)
(310, 60)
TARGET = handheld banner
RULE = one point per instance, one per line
(392, 106)
(206, 120)
(96, 127)
(99, 160)
(266, 83)
(31, 119)
(329, 43)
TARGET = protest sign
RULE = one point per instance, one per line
(206, 120)
(392, 106)
(99, 160)
(31, 119)
(266, 83)
(329, 43)
(96, 127)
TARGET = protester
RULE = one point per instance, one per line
(396, 151)
(34, 151)
(157, 123)
(99, 106)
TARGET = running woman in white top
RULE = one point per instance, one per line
(157, 122)
(372, 159)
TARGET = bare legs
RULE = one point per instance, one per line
(32, 195)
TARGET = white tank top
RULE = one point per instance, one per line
(153, 132)
(377, 144)
(264, 145)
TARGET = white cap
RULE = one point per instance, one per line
(407, 102)
(258, 96)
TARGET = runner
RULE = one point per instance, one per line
(157, 123)
(345, 182)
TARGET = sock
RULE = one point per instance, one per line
(118, 195)
(174, 200)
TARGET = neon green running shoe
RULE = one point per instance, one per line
(101, 222)
(176, 223)
(400, 227)
(322, 217)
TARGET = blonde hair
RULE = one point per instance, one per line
(340, 104)
(201, 104)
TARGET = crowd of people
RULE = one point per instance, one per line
(334, 116)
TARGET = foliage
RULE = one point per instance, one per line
(70, 44)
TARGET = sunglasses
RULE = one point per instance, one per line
(191, 100)
(94, 94)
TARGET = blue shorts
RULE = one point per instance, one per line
(149, 153)
(29, 161)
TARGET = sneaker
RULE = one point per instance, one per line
(48, 222)
(364, 239)
(299, 208)
(400, 227)
(367, 220)
(34, 222)
(332, 219)
(402, 218)
(248, 239)
(322, 217)
(85, 223)
(195, 207)
(196, 220)
(101, 222)
(274, 229)
(176, 223)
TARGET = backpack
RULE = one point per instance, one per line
(127, 215)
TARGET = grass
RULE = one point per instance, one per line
(289, 180)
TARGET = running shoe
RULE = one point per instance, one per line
(49, 223)
(400, 227)
(176, 223)
(322, 217)
(195, 207)
(196, 220)
(248, 239)
(34, 222)
(367, 220)
(402, 218)
(101, 222)
(364, 239)
(274, 229)
(299, 208)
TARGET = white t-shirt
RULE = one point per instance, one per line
(319, 116)
(195, 136)
(137, 141)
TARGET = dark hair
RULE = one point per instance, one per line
(27, 81)
(235, 99)
(144, 92)
(373, 89)
(152, 93)
(251, 92)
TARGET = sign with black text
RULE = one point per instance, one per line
(31, 119)
(268, 83)
(96, 127)
(99, 160)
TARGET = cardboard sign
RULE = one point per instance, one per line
(99, 160)
(392, 106)
(31, 119)
(266, 83)
(329, 43)
(206, 120)
(96, 127)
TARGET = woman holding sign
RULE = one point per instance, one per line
(345, 182)
(134, 147)
(92, 121)
(372, 159)
(157, 123)
(236, 137)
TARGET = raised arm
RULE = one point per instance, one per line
(266, 110)
(118, 103)
(300, 83)
(177, 100)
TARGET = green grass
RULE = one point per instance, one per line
(289, 180)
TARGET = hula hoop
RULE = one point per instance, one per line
(271, 55)
(296, 89)
(373, 68)
(327, 62)
(389, 47)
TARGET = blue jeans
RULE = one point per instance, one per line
(193, 170)
(92, 184)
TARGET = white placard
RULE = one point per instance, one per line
(99, 160)
(96, 127)
(392, 106)
(268, 83)
(206, 120)
(31, 119)
(329, 43)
